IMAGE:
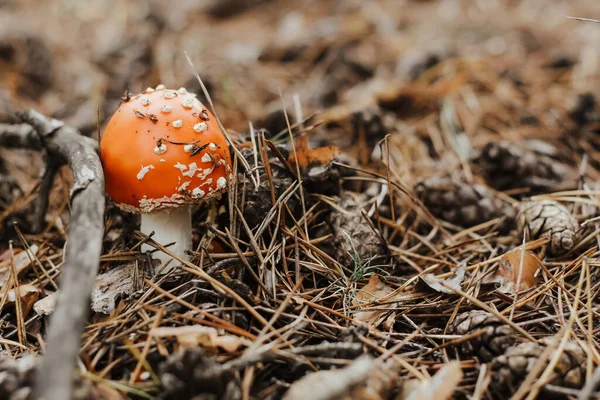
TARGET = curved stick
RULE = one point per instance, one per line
(84, 242)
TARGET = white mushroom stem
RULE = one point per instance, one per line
(168, 227)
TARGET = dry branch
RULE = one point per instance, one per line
(64, 144)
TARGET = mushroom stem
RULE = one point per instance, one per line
(168, 227)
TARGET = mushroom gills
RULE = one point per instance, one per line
(173, 226)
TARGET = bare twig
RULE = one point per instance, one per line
(65, 144)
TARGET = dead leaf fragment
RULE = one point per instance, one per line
(22, 260)
(444, 285)
(510, 268)
(24, 291)
(331, 384)
(46, 305)
(381, 381)
(28, 295)
(440, 387)
(373, 291)
(307, 157)
(198, 335)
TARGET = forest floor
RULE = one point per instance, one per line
(443, 243)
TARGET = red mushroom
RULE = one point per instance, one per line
(162, 152)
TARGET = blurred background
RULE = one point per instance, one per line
(73, 60)
(68, 58)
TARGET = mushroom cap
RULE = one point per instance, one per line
(163, 149)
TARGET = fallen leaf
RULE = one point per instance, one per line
(24, 290)
(198, 335)
(442, 285)
(331, 384)
(373, 291)
(22, 260)
(440, 387)
(307, 157)
(28, 295)
(381, 381)
(46, 305)
(510, 268)
(6, 255)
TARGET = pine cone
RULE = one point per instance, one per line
(355, 241)
(507, 166)
(497, 336)
(192, 375)
(550, 219)
(463, 204)
(510, 369)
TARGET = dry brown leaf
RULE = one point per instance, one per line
(28, 295)
(46, 305)
(307, 157)
(22, 260)
(442, 285)
(382, 379)
(374, 290)
(331, 384)
(25, 290)
(509, 270)
(198, 335)
(440, 387)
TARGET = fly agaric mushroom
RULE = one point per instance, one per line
(163, 152)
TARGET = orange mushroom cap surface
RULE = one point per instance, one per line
(162, 149)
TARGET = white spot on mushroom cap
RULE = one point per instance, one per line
(144, 171)
(198, 193)
(160, 149)
(193, 168)
(206, 158)
(177, 123)
(166, 109)
(145, 101)
(188, 147)
(149, 90)
(182, 90)
(162, 160)
(160, 87)
(206, 172)
(184, 186)
(169, 94)
(209, 181)
(180, 166)
(188, 103)
(221, 183)
(212, 146)
(200, 127)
